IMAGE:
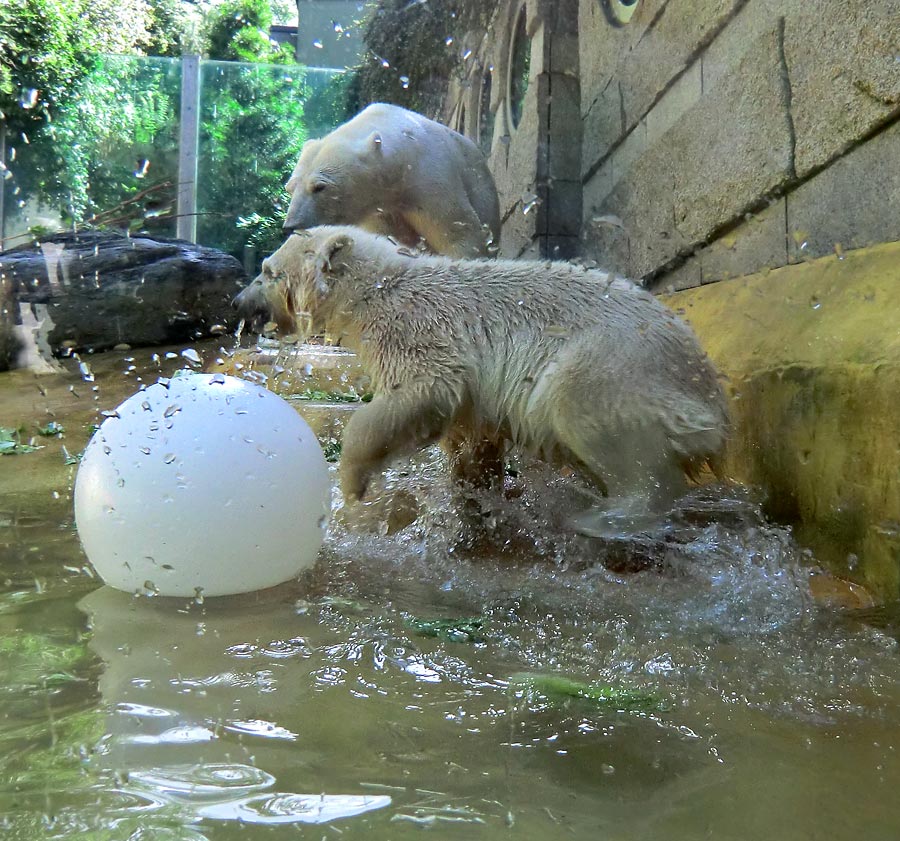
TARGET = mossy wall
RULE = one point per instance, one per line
(812, 358)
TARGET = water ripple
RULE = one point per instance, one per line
(205, 781)
(280, 808)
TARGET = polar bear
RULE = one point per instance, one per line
(574, 366)
(394, 172)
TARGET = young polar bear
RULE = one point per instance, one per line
(572, 365)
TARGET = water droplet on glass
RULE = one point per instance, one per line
(174, 409)
(29, 98)
(218, 379)
(449, 40)
(150, 589)
(608, 219)
(191, 356)
(404, 82)
(815, 303)
(529, 202)
(169, 458)
(198, 595)
(86, 373)
(318, 44)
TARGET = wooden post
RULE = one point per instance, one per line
(187, 148)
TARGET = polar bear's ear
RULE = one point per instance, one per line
(334, 248)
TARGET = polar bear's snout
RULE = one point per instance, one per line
(264, 302)
(252, 304)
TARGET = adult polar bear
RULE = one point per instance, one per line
(570, 364)
(394, 172)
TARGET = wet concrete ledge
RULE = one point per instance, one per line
(812, 357)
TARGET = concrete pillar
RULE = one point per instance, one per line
(187, 148)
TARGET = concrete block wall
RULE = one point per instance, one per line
(537, 163)
(723, 137)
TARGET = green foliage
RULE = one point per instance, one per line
(44, 50)
(170, 29)
(558, 689)
(252, 130)
(237, 30)
(95, 136)
(332, 451)
(53, 429)
(331, 396)
(329, 101)
(11, 443)
(414, 50)
(449, 630)
(108, 154)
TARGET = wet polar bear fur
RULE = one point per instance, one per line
(395, 172)
(572, 365)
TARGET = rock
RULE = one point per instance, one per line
(98, 289)
(10, 344)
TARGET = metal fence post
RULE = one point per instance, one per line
(188, 142)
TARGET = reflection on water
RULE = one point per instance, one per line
(379, 694)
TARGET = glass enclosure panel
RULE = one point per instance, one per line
(252, 127)
(109, 157)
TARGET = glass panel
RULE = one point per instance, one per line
(252, 128)
(108, 158)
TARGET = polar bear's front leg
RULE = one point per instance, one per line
(399, 422)
(458, 233)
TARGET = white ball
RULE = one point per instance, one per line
(202, 484)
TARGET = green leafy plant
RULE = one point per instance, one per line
(451, 630)
(331, 396)
(11, 442)
(414, 49)
(558, 689)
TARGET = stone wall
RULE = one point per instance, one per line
(701, 140)
(722, 137)
(536, 161)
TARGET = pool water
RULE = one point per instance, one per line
(323, 709)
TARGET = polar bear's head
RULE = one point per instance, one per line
(309, 284)
(334, 182)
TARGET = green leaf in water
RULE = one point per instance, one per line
(332, 451)
(328, 396)
(11, 442)
(451, 630)
(557, 689)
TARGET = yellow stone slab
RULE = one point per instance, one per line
(812, 356)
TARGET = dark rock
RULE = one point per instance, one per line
(10, 344)
(104, 288)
